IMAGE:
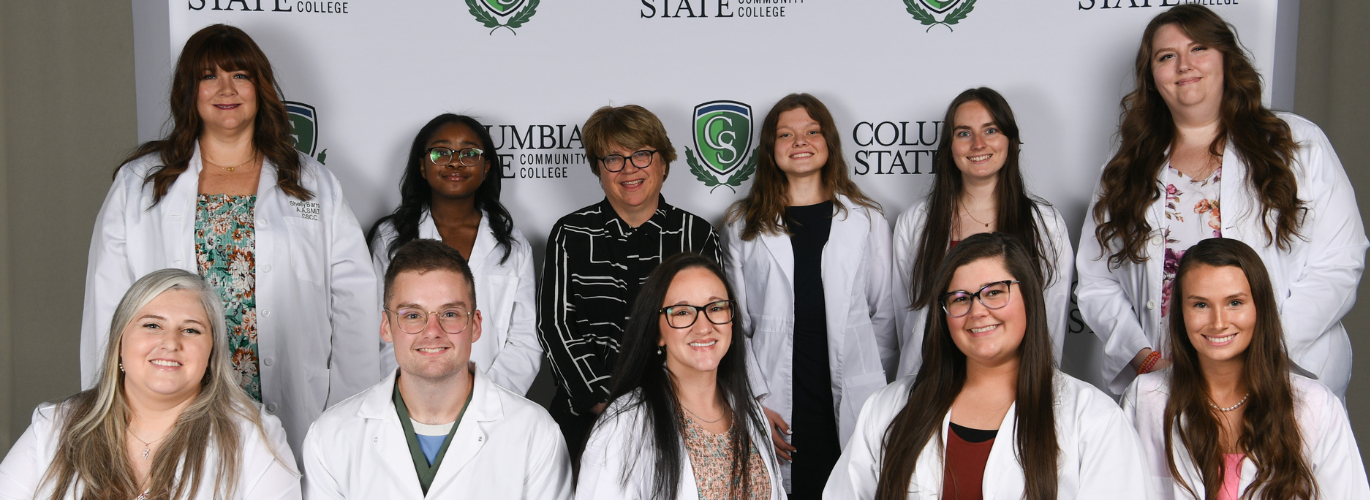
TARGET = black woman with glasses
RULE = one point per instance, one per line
(988, 415)
(809, 254)
(681, 420)
(448, 193)
(599, 256)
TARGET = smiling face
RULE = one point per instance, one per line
(978, 146)
(1188, 74)
(632, 188)
(454, 180)
(226, 100)
(165, 349)
(701, 346)
(1219, 312)
(800, 148)
(988, 337)
(432, 354)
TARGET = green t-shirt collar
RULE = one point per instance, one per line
(425, 471)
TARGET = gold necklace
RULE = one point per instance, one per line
(972, 217)
(230, 169)
(702, 419)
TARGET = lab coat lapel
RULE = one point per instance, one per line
(178, 216)
(484, 244)
(470, 437)
(384, 431)
(842, 257)
(782, 253)
(1002, 470)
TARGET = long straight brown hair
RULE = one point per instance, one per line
(228, 48)
(1269, 432)
(763, 210)
(91, 447)
(1017, 210)
(943, 374)
(1262, 140)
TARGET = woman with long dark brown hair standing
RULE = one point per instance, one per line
(1201, 158)
(226, 195)
(809, 255)
(988, 414)
(977, 188)
(1228, 420)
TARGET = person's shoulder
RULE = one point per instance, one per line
(914, 216)
(589, 214)
(140, 167)
(346, 411)
(1082, 397)
(1310, 394)
(891, 398)
(529, 414)
(1298, 125)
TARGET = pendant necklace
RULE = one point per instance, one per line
(230, 169)
(972, 217)
(147, 445)
(1230, 408)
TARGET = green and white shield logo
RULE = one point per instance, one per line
(723, 138)
(925, 11)
(513, 12)
(304, 126)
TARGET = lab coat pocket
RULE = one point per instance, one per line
(305, 239)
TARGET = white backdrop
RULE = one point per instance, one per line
(374, 71)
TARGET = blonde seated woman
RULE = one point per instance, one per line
(166, 418)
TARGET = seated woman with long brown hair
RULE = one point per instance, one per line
(1228, 420)
(166, 418)
(988, 415)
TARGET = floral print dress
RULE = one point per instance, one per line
(225, 245)
(711, 458)
(1191, 215)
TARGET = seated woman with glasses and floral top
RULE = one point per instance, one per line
(599, 256)
(681, 420)
(988, 415)
(449, 193)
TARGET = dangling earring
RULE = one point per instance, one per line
(121, 367)
(658, 350)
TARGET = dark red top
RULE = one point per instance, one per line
(952, 245)
(964, 471)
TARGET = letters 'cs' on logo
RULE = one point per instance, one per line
(304, 128)
(723, 137)
(514, 12)
(925, 11)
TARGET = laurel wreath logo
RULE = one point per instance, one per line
(515, 21)
(927, 19)
(711, 181)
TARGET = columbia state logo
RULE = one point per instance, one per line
(304, 128)
(723, 137)
(926, 11)
(515, 13)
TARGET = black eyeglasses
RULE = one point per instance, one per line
(992, 296)
(441, 156)
(685, 315)
(641, 158)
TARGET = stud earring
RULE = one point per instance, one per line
(121, 367)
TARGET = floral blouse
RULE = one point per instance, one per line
(1191, 215)
(225, 245)
(711, 459)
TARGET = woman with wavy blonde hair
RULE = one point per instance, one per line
(1201, 158)
(166, 418)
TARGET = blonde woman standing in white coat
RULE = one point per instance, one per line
(1228, 419)
(227, 196)
(978, 188)
(809, 255)
(681, 422)
(1202, 158)
(447, 194)
(988, 415)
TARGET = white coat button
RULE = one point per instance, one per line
(1157, 240)
(271, 408)
(262, 223)
(266, 314)
(266, 361)
(266, 268)
(1150, 304)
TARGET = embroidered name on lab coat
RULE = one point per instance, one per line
(308, 210)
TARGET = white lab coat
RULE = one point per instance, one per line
(504, 447)
(908, 233)
(618, 443)
(1314, 281)
(1100, 456)
(260, 474)
(506, 292)
(1328, 444)
(316, 291)
(862, 346)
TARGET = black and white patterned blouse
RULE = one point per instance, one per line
(594, 268)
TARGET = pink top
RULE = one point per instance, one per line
(1232, 476)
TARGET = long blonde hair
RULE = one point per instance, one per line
(90, 454)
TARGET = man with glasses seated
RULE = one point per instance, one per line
(599, 256)
(438, 426)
